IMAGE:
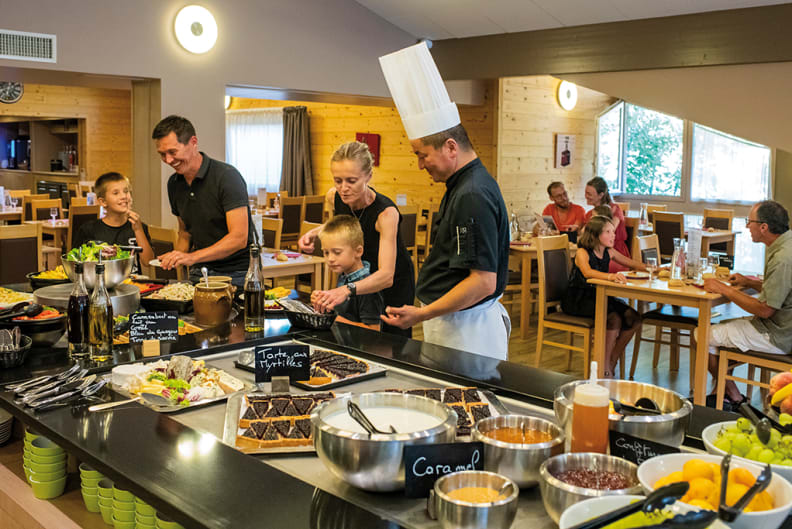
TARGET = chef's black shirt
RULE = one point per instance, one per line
(202, 206)
(470, 231)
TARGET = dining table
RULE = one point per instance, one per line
(59, 229)
(11, 214)
(295, 264)
(525, 251)
(659, 291)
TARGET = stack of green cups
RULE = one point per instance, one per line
(144, 515)
(163, 522)
(90, 479)
(45, 466)
(105, 489)
(123, 509)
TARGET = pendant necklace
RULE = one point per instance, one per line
(362, 211)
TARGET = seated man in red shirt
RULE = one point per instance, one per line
(566, 215)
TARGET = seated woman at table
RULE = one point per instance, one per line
(597, 195)
(594, 254)
(120, 225)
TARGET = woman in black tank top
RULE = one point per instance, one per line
(392, 271)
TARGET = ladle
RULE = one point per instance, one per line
(657, 500)
(763, 427)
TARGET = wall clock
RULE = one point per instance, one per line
(10, 91)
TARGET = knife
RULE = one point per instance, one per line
(47, 389)
(77, 383)
(63, 398)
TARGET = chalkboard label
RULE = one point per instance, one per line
(425, 464)
(161, 325)
(636, 449)
(293, 361)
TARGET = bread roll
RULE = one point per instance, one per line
(664, 274)
(722, 272)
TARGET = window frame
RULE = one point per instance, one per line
(686, 170)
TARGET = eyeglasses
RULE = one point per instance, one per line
(748, 221)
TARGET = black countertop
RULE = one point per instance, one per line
(203, 483)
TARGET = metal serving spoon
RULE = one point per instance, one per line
(151, 399)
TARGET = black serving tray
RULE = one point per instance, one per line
(153, 304)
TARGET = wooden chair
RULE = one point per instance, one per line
(408, 229)
(85, 187)
(41, 208)
(78, 216)
(78, 201)
(719, 219)
(631, 227)
(426, 245)
(314, 209)
(668, 226)
(27, 200)
(625, 207)
(271, 230)
(552, 253)
(163, 240)
(23, 242)
(74, 190)
(651, 208)
(292, 212)
(729, 358)
(18, 193)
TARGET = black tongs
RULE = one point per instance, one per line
(356, 413)
(730, 513)
(784, 429)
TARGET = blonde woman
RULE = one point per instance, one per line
(390, 265)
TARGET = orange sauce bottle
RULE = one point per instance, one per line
(590, 419)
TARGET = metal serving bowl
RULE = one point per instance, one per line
(376, 462)
(557, 495)
(668, 428)
(518, 462)
(41, 332)
(457, 514)
(116, 271)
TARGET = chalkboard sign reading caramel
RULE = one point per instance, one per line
(293, 361)
(162, 326)
(425, 464)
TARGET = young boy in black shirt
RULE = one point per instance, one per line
(120, 225)
(342, 244)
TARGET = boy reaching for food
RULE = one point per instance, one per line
(342, 245)
(120, 225)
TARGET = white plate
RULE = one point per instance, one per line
(637, 276)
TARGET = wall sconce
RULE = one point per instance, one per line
(196, 29)
(567, 95)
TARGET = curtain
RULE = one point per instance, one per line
(296, 178)
(254, 145)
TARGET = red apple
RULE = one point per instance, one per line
(779, 381)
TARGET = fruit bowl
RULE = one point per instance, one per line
(710, 436)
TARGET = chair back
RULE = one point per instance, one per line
(625, 207)
(271, 230)
(651, 208)
(648, 246)
(314, 209)
(631, 227)
(409, 226)
(41, 208)
(85, 187)
(23, 242)
(79, 215)
(719, 219)
(667, 227)
(163, 240)
(432, 219)
(17, 193)
(78, 201)
(305, 227)
(292, 211)
(552, 254)
(27, 201)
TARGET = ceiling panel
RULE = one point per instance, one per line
(578, 12)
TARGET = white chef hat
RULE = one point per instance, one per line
(418, 91)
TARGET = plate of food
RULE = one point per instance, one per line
(186, 382)
(9, 298)
(174, 296)
(268, 423)
(636, 275)
(46, 278)
(283, 257)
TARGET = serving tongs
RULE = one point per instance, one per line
(628, 409)
(356, 413)
(761, 426)
(37, 381)
(729, 513)
(689, 520)
(783, 428)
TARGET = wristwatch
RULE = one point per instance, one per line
(352, 289)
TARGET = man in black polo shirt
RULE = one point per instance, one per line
(210, 199)
(466, 270)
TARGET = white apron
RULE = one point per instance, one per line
(483, 329)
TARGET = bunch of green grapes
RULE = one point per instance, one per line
(740, 439)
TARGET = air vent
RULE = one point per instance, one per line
(24, 46)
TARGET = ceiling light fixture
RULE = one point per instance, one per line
(567, 95)
(196, 29)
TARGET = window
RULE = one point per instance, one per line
(254, 145)
(609, 142)
(725, 167)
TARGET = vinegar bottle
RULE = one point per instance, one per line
(590, 417)
(77, 316)
(254, 293)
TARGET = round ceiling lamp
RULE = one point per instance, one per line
(196, 29)
(567, 95)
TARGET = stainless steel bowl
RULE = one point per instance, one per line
(41, 332)
(376, 462)
(557, 495)
(518, 462)
(668, 428)
(116, 271)
(456, 514)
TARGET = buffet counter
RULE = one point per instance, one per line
(178, 463)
